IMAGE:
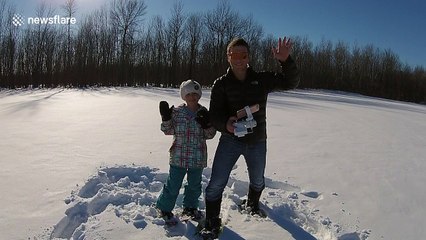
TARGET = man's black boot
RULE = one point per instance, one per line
(252, 204)
(213, 223)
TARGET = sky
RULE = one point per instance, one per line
(386, 24)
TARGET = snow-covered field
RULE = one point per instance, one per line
(90, 164)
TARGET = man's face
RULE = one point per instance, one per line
(238, 58)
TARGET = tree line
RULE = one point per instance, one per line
(116, 45)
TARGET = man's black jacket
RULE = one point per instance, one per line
(230, 95)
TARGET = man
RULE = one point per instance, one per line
(241, 86)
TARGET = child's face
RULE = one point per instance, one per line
(192, 98)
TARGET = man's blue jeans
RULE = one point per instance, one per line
(167, 199)
(227, 153)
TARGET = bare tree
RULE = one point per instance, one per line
(40, 47)
(265, 57)
(252, 33)
(370, 69)
(8, 44)
(3, 20)
(341, 61)
(110, 47)
(303, 53)
(84, 52)
(323, 62)
(194, 31)
(157, 30)
(390, 68)
(174, 36)
(126, 15)
(218, 33)
(107, 46)
(5, 40)
(70, 8)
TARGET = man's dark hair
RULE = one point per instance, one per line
(238, 42)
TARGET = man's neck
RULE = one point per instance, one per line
(240, 75)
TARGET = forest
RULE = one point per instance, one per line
(117, 45)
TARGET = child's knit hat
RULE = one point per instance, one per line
(189, 86)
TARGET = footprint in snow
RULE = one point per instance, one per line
(311, 194)
(132, 192)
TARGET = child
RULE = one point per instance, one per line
(190, 126)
